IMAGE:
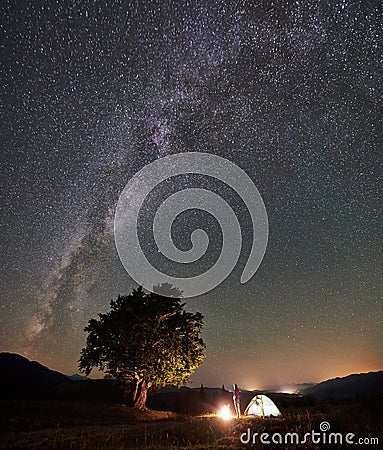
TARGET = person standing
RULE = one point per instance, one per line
(236, 400)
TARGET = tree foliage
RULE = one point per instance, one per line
(145, 340)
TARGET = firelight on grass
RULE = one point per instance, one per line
(225, 413)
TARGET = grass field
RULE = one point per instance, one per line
(62, 425)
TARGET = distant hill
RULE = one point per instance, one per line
(291, 388)
(77, 377)
(364, 386)
(20, 377)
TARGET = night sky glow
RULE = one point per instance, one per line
(290, 91)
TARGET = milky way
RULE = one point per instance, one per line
(290, 91)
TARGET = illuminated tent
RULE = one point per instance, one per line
(261, 405)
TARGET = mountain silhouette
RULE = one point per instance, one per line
(20, 377)
(363, 386)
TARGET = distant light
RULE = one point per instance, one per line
(225, 413)
(288, 390)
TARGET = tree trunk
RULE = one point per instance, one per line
(140, 394)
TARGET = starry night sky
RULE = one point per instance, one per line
(290, 91)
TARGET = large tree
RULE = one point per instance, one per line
(145, 340)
